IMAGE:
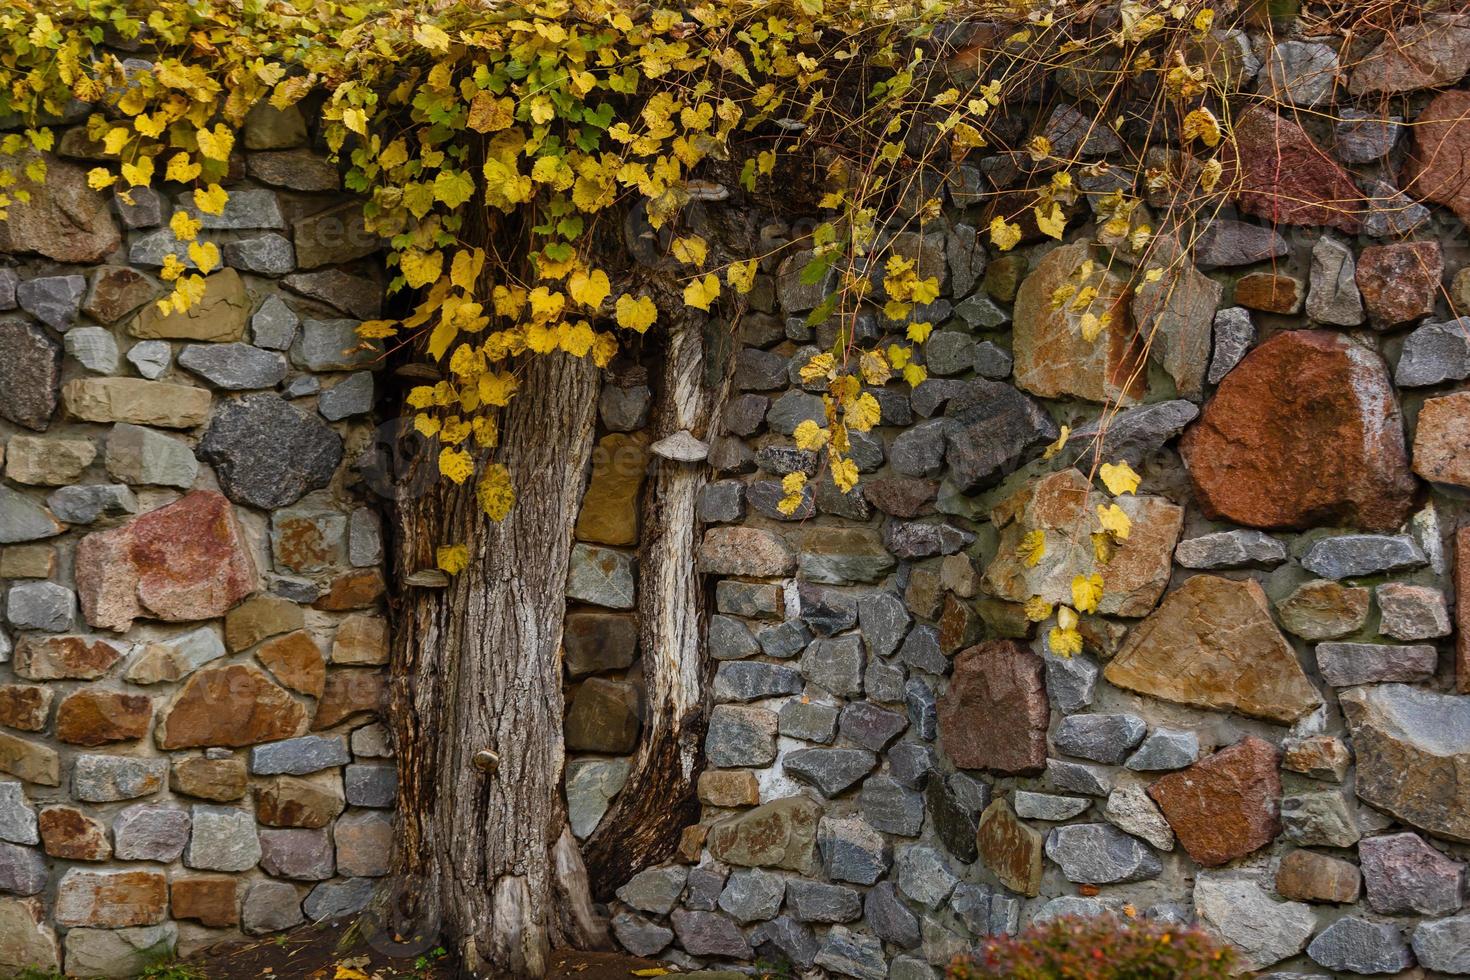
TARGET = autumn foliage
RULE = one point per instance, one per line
(1101, 948)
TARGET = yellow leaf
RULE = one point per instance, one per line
(140, 173)
(205, 256)
(810, 436)
(1091, 325)
(1053, 222)
(184, 226)
(820, 366)
(1209, 175)
(455, 464)
(1059, 445)
(862, 413)
(919, 332)
(1004, 236)
(421, 268)
(100, 177)
(635, 314)
(115, 140)
(355, 120)
(453, 187)
(702, 292)
(652, 971)
(874, 367)
(915, 374)
(1087, 591)
(182, 170)
(1064, 642)
(1201, 124)
(453, 558)
(1103, 547)
(844, 473)
(216, 144)
(691, 250)
(465, 268)
(1114, 521)
(589, 289)
(792, 486)
(1037, 609)
(1032, 548)
(1119, 478)
(377, 329)
(741, 276)
(495, 492)
(489, 114)
(431, 38)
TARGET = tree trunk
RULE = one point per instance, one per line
(659, 799)
(486, 857)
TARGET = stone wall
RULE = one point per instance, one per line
(192, 569)
(1267, 729)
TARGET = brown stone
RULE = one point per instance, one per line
(64, 219)
(296, 661)
(594, 642)
(1212, 644)
(25, 706)
(1225, 806)
(900, 496)
(779, 834)
(1010, 848)
(729, 788)
(288, 801)
(47, 461)
(221, 780)
(1400, 282)
(68, 833)
(691, 843)
(1307, 876)
(1051, 357)
(610, 506)
(1059, 505)
(111, 899)
(995, 713)
(1270, 292)
(1318, 756)
(1176, 314)
(353, 590)
(53, 658)
(229, 706)
(361, 640)
(1286, 178)
(219, 316)
(185, 561)
(90, 717)
(209, 900)
(115, 291)
(1325, 403)
(1442, 440)
(603, 717)
(1429, 54)
(959, 624)
(135, 400)
(1438, 165)
(258, 617)
(1324, 610)
(30, 761)
(30, 942)
(28, 561)
(924, 595)
(333, 236)
(348, 693)
(1462, 610)
(297, 170)
(745, 551)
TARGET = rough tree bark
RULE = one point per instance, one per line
(487, 858)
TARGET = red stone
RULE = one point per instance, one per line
(207, 899)
(1326, 405)
(1400, 281)
(99, 717)
(1287, 178)
(995, 713)
(1438, 167)
(1462, 610)
(1225, 806)
(348, 693)
(182, 562)
(24, 706)
(229, 706)
(70, 834)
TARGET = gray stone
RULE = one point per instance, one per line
(302, 386)
(1318, 819)
(364, 842)
(1300, 72)
(921, 650)
(274, 325)
(1100, 854)
(150, 832)
(372, 742)
(266, 255)
(1132, 434)
(710, 934)
(1435, 352)
(971, 905)
(223, 839)
(601, 576)
(1363, 137)
(884, 622)
(994, 427)
(765, 497)
(356, 296)
(150, 358)
(22, 519)
(923, 708)
(1070, 681)
(176, 657)
(1165, 749)
(268, 453)
(1444, 945)
(333, 345)
(234, 366)
(108, 778)
(353, 395)
(54, 300)
(1403, 875)
(84, 504)
(1047, 806)
(952, 816)
(759, 370)
(831, 771)
(1412, 612)
(793, 408)
(891, 807)
(1132, 810)
(591, 785)
(22, 870)
(851, 850)
(749, 680)
(1351, 664)
(949, 352)
(721, 502)
(809, 721)
(29, 374)
(1352, 555)
(1074, 132)
(1231, 549)
(94, 348)
(9, 279)
(919, 451)
(270, 906)
(371, 786)
(119, 952)
(655, 889)
(1101, 738)
(17, 817)
(1262, 930)
(41, 606)
(297, 853)
(790, 939)
(140, 455)
(817, 901)
(924, 875)
(145, 211)
(1078, 777)
(640, 936)
(1234, 335)
(1391, 212)
(784, 640)
(889, 918)
(299, 756)
(364, 537)
(752, 895)
(884, 681)
(332, 901)
(624, 408)
(740, 736)
(1225, 242)
(909, 540)
(1334, 296)
(1356, 945)
(870, 726)
(852, 954)
(835, 664)
(247, 209)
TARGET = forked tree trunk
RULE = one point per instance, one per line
(658, 800)
(487, 858)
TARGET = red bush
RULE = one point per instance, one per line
(1101, 948)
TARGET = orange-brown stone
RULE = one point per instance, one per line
(53, 658)
(1400, 281)
(209, 779)
(361, 640)
(1321, 402)
(1270, 292)
(348, 693)
(1442, 440)
(1010, 848)
(1462, 610)
(25, 706)
(89, 717)
(111, 899)
(729, 788)
(70, 834)
(609, 512)
(209, 900)
(1225, 806)
(296, 661)
(229, 706)
(1283, 176)
(353, 590)
(995, 713)
(288, 801)
(1438, 166)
